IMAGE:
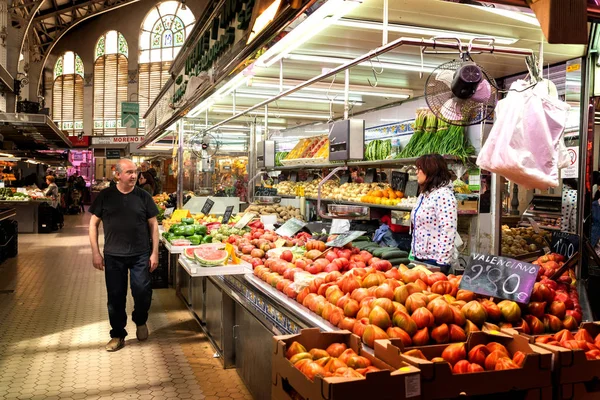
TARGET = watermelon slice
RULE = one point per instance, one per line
(210, 257)
(189, 253)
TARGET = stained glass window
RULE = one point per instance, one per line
(162, 35)
(112, 42)
(67, 93)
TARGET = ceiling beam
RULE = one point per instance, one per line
(64, 9)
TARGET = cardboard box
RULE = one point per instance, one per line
(578, 391)
(399, 382)
(468, 205)
(571, 366)
(438, 381)
(562, 21)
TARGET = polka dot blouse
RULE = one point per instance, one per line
(434, 222)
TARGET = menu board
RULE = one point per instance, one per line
(500, 277)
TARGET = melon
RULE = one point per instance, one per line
(189, 253)
(210, 257)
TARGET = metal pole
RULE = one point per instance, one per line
(233, 98)
(266, 134)
(252, 160)
(385, 22)
(346, 93)
(280, 75)
(585, 109)
(180, 166)
(374, 53)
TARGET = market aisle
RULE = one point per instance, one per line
(54, 326)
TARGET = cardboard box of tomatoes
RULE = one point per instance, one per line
(334, 365)
(487, 364)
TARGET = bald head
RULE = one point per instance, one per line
(123, 164)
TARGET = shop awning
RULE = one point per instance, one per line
(32, 132)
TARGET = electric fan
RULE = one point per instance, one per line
(204, 145)
(460, 92)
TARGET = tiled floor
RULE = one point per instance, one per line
(54, 325)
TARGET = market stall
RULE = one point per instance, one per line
(338, 134)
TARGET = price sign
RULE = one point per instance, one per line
(399, 180)
(290, 228)
(565, 244)
(500, 277)
(370, 175)
(169, 211)
(344, 238)
(244, 221)
(412, 189)
(227, 214)
(294, 176)
(207, 207)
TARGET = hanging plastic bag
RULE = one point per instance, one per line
(524, 141)
(564, 160)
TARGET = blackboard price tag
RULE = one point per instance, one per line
(399, 180)
(344, 238)
(227, 214)
(294, 176)
(207, 206)
(500, 277)
(565, 244)
(412, 189)
(370, 175)
(290, 228)
(245, 220)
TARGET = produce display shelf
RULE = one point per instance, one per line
(378, 163)
(542, 213)
(6, 213)
(175, 249)
(356, 203)
(550, 228)
(195, 270)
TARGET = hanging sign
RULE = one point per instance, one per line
(130, 114)
(344, 238)
(290, 228)
(572, 171)
(113, 154)
(500, 277)
(565, 244)
(227, 214)
(207, 207)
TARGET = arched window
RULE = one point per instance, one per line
(164, 30)
(110, 83)
(67, 93)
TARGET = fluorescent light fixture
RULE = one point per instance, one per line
(295, 98)
(420, 31)
(321, 18)
(318, 131)
(6, 155)
(281, 113)
(385, 65)
(158, 147)
(264, 19)
(516, 15)
(234, 83)
(299, 94)
(30, 161)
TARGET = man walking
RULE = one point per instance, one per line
(128, 214)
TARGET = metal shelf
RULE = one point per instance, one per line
(550, 228)
(378, 163)
(550, 213)
(356, 203)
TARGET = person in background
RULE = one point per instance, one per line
(128, 215)
(146, 182)
(568, 220)
(434, 218)
(52, 189)
(154, 170)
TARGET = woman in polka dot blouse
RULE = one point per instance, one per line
(434, 217)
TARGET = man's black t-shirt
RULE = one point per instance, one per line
(125, 219)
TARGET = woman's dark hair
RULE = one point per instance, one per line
(570, 182)
(597, 195)
(149, 179)
(435, 169)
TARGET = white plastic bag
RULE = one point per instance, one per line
(524, 141)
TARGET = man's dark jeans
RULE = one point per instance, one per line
(116, 269)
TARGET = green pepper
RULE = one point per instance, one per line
(179, 231)
(173, 227)
(188, 230)
(187, 221)
(200, 229)
(207, 239)
(195, 239)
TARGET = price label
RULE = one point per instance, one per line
(227, 214)
(565, 244)
(294, 176)
(207, 206)
(169, 211)
(412, 189)
(399, 180)
(500, 277)
(370, 175)
(245, 220)
(290, 228)
(344, 238)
